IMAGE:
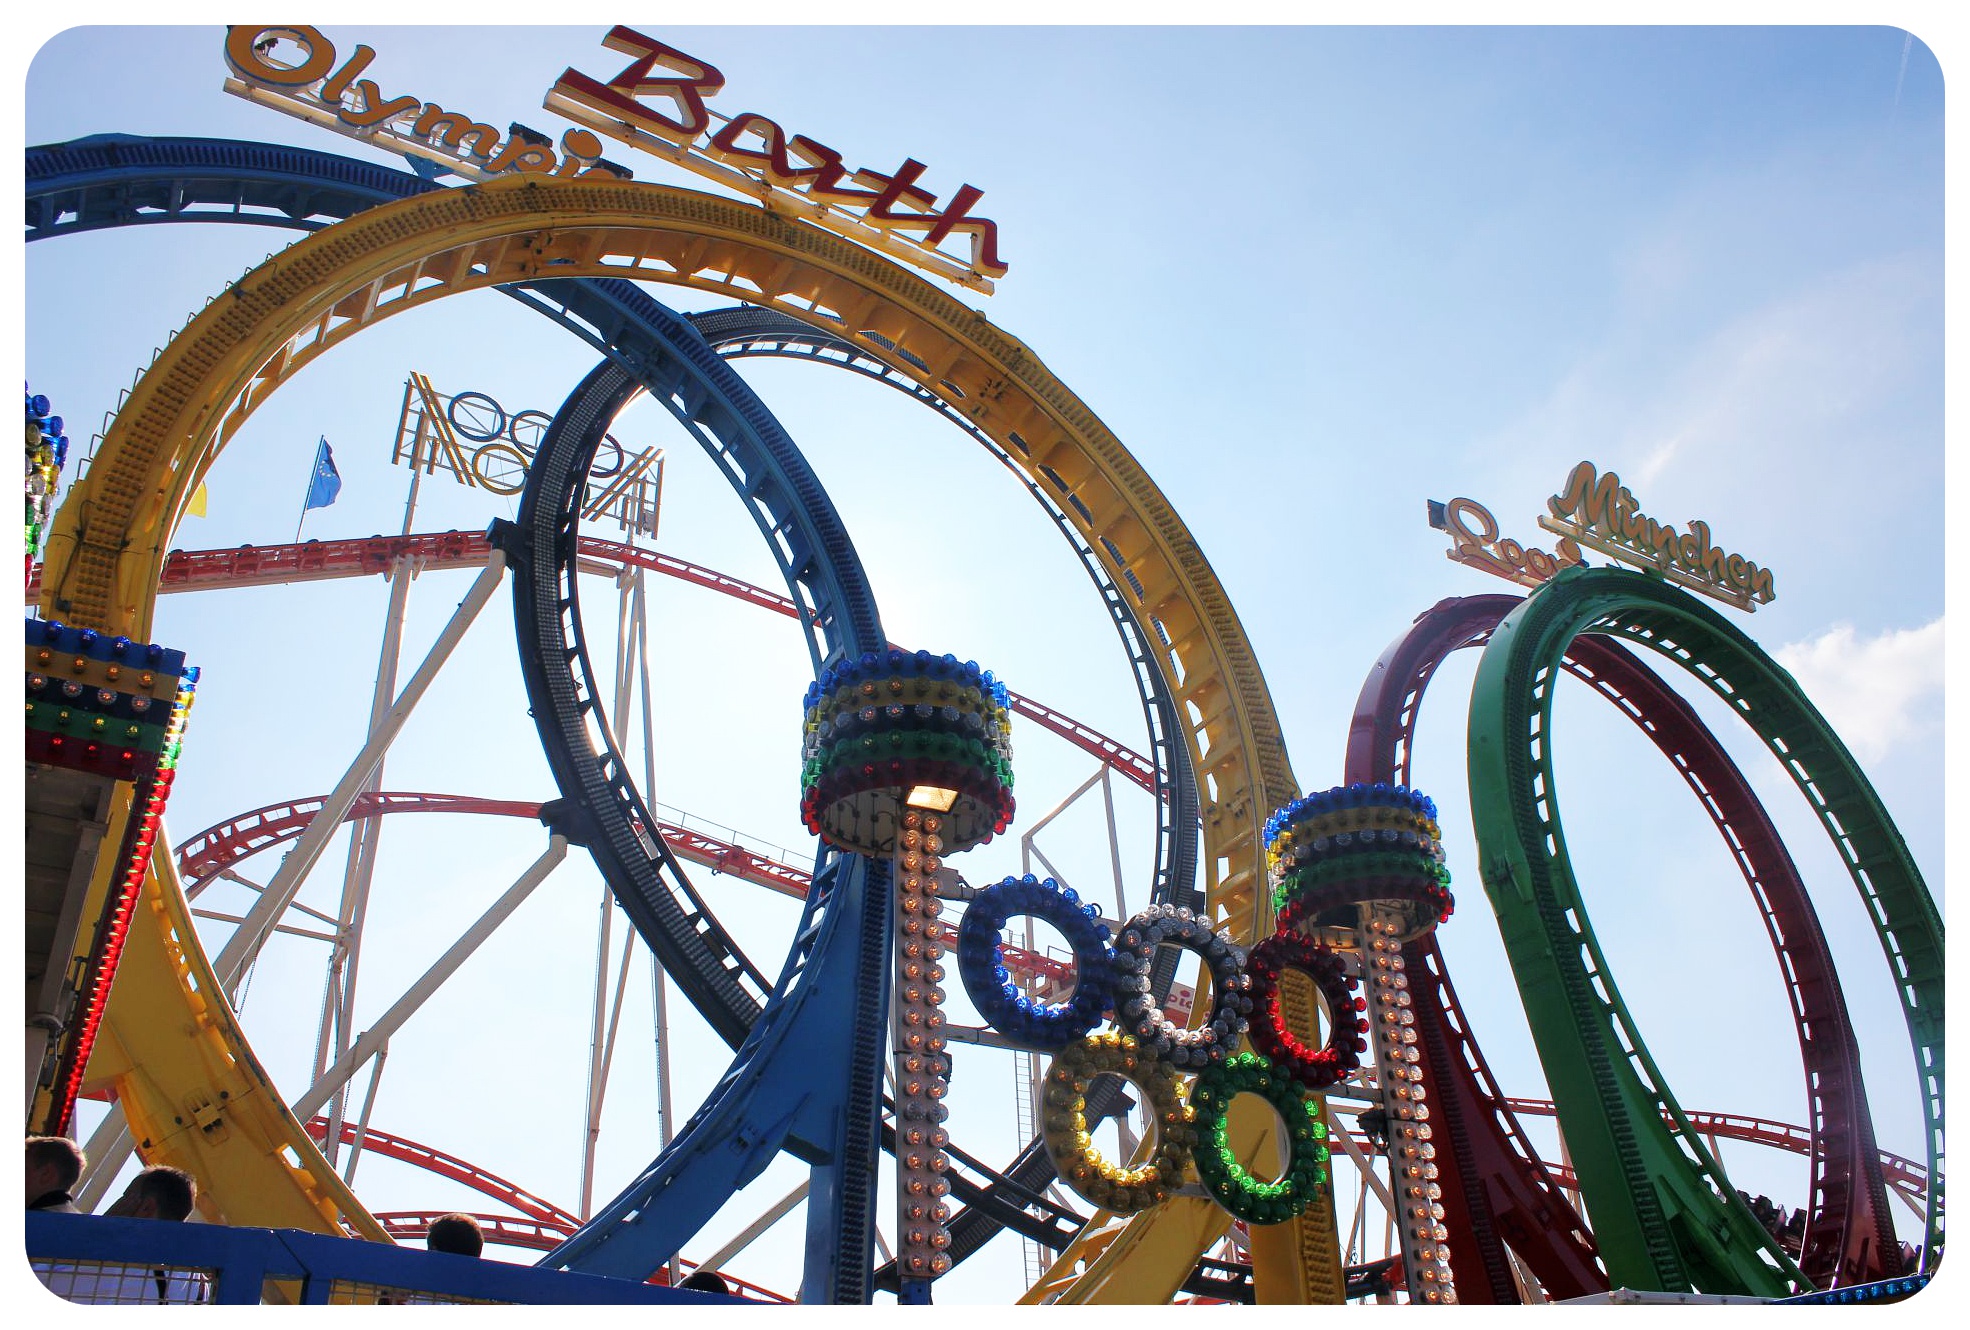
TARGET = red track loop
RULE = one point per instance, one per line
(1500, 1192)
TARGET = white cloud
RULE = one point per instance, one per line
(1813, 364)
(1877, 691)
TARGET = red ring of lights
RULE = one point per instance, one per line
(1315, 1069)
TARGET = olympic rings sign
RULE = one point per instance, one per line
(1152, 1054)
(497, 448)
(475, 416)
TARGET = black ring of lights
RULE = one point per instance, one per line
(1138, 1012)
(981, 962)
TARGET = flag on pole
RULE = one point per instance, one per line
(326, 482)
(196, 508)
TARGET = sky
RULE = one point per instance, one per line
(1312, 278)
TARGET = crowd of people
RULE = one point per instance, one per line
(54, 1169)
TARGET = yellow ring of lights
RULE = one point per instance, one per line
(106, 551)
(1064, 1125)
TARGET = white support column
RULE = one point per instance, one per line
(374, 1038)
(107, 1149)
(599, 1022)
(244, 945)
(751, 1233)
(1417, 1216)
(1114, 838)
(346, 955)
(362, 1121)
(659, 1003)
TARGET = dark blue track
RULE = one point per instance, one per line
(823, 997)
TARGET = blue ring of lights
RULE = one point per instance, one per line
(981, 962)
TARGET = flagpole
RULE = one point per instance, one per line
(314, 468)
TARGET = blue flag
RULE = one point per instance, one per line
(326, 482)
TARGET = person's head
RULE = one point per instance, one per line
(705, 1281)
(456, 1233)
(54, 1163)
(159, 1192)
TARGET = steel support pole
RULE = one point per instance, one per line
(378, 1035)
(747, 1236)
(247, 939)
(362, 1121)
(361, 869)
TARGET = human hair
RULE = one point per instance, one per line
(59, 1153)
(706, 1281)
(171, 1190)
(456, 1233)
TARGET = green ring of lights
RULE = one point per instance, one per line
(1230, 1183)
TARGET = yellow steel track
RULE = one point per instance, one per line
(106, 552)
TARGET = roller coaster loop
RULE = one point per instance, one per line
(279, 318)
(1500, 1189)
(231, 178)
(1664, 1217)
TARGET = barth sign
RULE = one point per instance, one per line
(657, 103)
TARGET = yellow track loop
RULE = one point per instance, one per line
(106, 550)
(194, 1096)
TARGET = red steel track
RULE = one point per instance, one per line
(218, 848)
(1903, 1175)
(318, 560)
(1500, 1192)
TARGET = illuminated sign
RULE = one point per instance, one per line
(321, 91)
(1474, 541)
(1598, 511)
(471, 437)
(657, 103)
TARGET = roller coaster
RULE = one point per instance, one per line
(1509, 1225)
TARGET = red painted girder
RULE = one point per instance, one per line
(1496, 1191)
(220, 847)
(315, 560)
(451, 1166)
(1906, 1176)
(508, 1231)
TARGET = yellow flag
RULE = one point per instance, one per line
(196, 507)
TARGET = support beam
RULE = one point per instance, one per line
(240, 950)
(374, 1038)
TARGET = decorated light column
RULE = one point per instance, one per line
(47, 453)
(908, 755)
(110, 707)
(1368, 857)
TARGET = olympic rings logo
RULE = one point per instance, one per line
(508, 443)
(1152, 1053)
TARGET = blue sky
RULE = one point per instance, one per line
(1311, 277)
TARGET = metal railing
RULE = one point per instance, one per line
(98, 1259)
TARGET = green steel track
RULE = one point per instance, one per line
(1663, 1212)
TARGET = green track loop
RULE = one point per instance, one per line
(1664, 1214)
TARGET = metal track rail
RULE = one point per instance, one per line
(120, 180)
(316, 294)
(1850, 1238)
(1665, 1216)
